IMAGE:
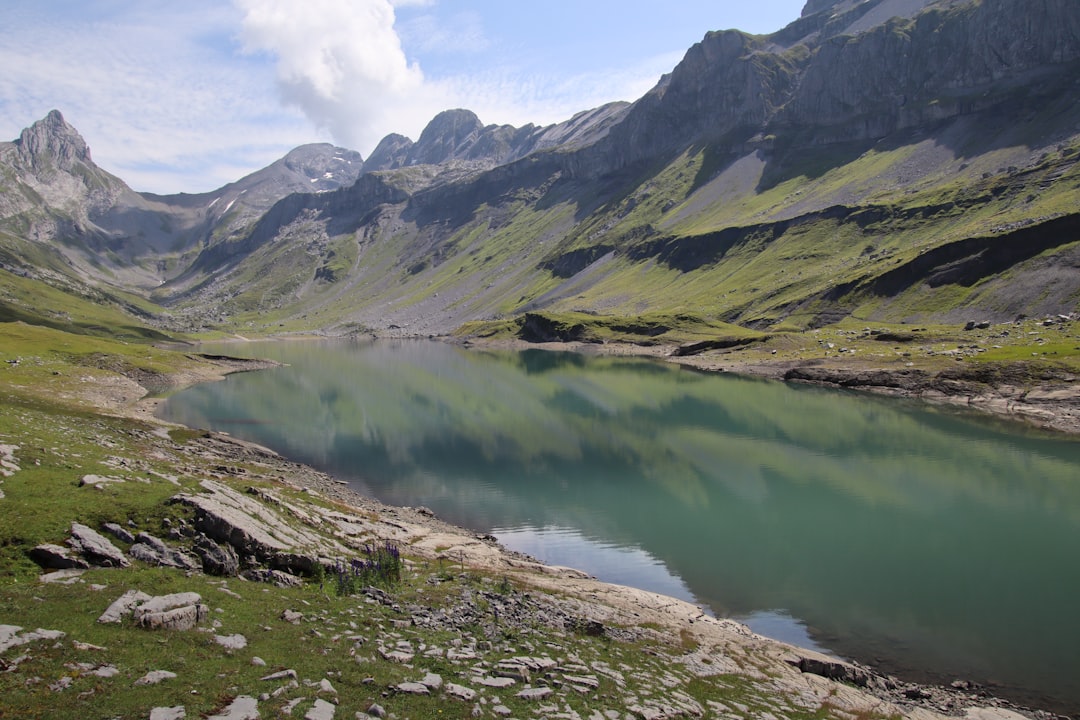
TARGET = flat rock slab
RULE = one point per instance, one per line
(168, 713)
(250, 526)
(321, 710)
(99, 481)
(244, 707)
(95, 547)
(61, 577)
(155, 676)
(11, 637)
(413, 688)
(231, 642)
(460, 692)
(495, 682)
(537, 693)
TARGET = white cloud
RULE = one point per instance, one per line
(342, 64)
(158, 96)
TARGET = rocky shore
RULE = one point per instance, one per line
(566, 598)
(484, 629)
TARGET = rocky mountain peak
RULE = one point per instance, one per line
(447, 135)
(51, 142)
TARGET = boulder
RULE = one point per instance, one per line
(55, 557)
(95, 547)
(179, 611)
(122, 606)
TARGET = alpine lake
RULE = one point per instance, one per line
(929, 543)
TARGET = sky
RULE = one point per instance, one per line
(188, 96)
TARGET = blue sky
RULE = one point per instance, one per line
(185, 97)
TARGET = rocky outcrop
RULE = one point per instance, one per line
(254, 529)
(95, 547)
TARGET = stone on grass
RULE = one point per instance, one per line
(11, 637)
(291, 616)
(55, 557)
(179, 611)
(154, 677)
(168, 713)
(244, 707)
(122, 606)
(432, 681)
(460, 692)
(280, 675)
(537, 693)
(231, 642)
(95, 547)
(321, 710)
(376, 711)
(61, 577)
(98, 481)
(413, 688)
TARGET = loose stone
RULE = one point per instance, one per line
(154, 677)
(460, 692)
(244, 707)
(538, 693)
(322, 710)
(168, 713)
(231, 642)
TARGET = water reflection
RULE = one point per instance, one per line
(903, 535)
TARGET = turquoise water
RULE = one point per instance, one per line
(930, 544)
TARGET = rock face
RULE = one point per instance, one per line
(153, 551)
(217, 559)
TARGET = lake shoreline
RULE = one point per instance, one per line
(1046, 401)
(673, 614)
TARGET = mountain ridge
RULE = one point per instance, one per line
(853, 105)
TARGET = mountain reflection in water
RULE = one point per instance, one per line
(933, 545)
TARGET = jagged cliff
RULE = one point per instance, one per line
(780, 178)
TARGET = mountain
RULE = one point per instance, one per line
(895, 160)
(60, 210)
